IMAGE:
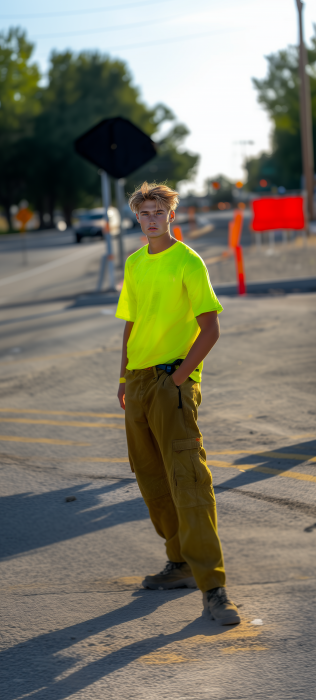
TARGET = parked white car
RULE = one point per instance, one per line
(91, 224)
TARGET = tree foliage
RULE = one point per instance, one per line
(19, 106)
(38, 126)
(278, 93)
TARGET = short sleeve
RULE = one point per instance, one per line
(127, 304)
(199, 288)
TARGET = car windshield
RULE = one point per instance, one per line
(92, 217)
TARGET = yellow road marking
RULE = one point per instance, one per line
(117, 460)
(288, 455)
(40, 358)
(175, 652)
(262, 470)
(79, 353)
(226, 465)
(156, 658)
(13, 438)
(49, 441)
(306, 435)
(276, 455)
(103, 459)
(62, 413)
(244, 648)
(92, 414)
(288, 475)
(68, 423)
(230, 452)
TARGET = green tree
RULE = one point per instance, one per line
(172, 164)
(19, 104)
(82, 90)
(41, 164)
(278, 92)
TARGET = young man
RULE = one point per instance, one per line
(170, 311)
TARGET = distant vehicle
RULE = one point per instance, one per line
(129, 221)
(91, 224)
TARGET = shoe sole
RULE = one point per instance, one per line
(184, 583)
(233, 620)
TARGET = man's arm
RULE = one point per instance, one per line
(126, 335)
(206, 339)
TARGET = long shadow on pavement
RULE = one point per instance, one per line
(272, 463)
(29, 521)
(41, 664)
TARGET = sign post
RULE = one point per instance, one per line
(108, 257)
(120, 200)
(23, 216)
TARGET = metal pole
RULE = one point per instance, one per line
(108, 257)
(119, 191)
(306, 120)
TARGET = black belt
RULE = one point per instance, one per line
(170, 368)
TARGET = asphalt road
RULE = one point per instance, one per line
(75, 621)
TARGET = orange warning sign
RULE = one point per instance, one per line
(24, 215)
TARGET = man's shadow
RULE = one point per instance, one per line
(41, 660)
(274, 464)
(29, 521)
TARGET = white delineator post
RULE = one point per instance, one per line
(108, 257)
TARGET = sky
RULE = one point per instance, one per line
(197, 58)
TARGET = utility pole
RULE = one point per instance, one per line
(306, 120)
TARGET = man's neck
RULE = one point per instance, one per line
(158, 245)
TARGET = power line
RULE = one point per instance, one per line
(106, 29)
(83, 12)
(172, 40)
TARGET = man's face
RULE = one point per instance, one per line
(154, 220)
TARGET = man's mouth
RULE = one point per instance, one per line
(152, 228)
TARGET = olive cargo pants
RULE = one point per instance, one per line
(166, 453)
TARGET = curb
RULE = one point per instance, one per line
(96, 299)
(273, 287)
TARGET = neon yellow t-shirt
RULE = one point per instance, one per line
(162, 294)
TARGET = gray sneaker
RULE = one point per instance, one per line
(217, 606)
(174, 575)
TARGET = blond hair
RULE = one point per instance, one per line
(165, 197)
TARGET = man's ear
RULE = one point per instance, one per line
(172, 215)
(137, 217)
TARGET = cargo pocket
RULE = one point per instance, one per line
(192, 479)
(204, 486)
(184, 475)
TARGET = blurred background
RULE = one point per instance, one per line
(215, 87)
